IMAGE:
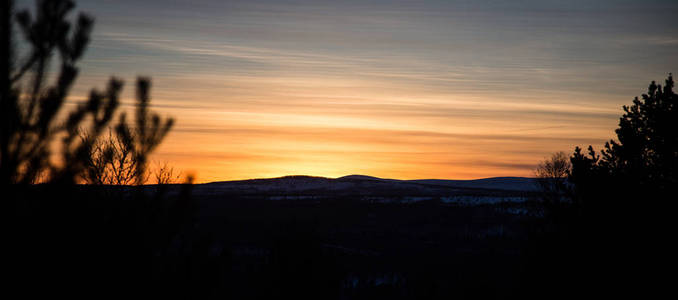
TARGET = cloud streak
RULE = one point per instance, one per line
(401, 89)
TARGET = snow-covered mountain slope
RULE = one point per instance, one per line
(496, 183)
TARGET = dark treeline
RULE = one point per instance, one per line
(80, 223)
(611, 232)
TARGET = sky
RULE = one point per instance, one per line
(396, 89)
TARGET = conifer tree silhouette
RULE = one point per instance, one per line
(643, 162)
(30, 106)
(623, 196)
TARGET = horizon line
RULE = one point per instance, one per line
(375, 177)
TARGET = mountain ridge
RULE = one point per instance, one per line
(509, 183)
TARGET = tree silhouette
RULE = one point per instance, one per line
(643, 163)
(149, 132)
(33, 124)
(623, 195)
(58, 234)
(551, 175)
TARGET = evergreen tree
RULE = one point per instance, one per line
(623, 194)
(33, 125)
(643, 162)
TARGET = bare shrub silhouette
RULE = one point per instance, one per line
(165, 174)
(551, 174)
(110, 162)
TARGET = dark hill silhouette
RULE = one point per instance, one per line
(360, 177)
(490, 190)
(303, 182)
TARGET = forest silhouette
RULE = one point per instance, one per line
(82, 222)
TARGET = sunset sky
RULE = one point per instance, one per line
(397, 89)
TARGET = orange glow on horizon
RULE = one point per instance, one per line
(468, 137)
(424, 91)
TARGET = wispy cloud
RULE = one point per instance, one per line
(408, 89)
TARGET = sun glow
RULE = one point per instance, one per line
(419, 90)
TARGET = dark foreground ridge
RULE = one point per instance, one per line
(294, 237)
